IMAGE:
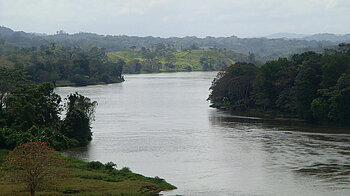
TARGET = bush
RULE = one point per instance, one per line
(95, 165)
(125, 170)
(110, 166)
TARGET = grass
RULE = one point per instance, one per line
(183, 59)
(86, 181)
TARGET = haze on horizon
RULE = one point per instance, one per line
(178, 18)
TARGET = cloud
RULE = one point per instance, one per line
(177, 17)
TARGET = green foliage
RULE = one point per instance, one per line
(54, 63)
(30, 112)
(110, 166)
(25, 100)
(84, 180)
(80, 113)
(239, 78)
(310, 86)
(162, 58)
(263, 48)
(95, 165)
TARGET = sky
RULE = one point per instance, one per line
(177, 18)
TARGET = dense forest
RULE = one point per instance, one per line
(32, 112)
(264, 48)
(165, 58)
(62, 65)
(310, 86)
(65, 65)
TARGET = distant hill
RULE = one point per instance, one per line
(286, 36)
(263, 48)
(316, 37)
(5, 31)
(329, 37)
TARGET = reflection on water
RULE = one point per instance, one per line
(161, 125)
(312, 152)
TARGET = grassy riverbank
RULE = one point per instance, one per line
(84, 180)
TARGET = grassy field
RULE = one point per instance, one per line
(86, 181)
(184, 60)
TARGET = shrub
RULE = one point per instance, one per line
(95, 165)
(110, 166)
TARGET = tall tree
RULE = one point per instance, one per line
(80, 114)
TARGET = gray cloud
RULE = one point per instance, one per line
(178, 17)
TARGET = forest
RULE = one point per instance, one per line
(32, 112)
(310, 86)
(62, 65)
(76, 66)
(265, 49)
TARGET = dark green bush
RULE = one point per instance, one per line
(110, 166)
(95, 165)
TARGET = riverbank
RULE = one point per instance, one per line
(276, 119)
(64, 83)
(266, 115)
(84, 180)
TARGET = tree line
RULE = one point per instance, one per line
(31, 112)
(62, 65)
(263, 48)
(166, 58)
(310, 86)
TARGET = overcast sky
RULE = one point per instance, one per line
(166, 18)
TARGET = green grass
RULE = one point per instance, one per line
(183, 59)
(86, 181)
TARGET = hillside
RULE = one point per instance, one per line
(62, 65)
(265, 49)
(167, 59)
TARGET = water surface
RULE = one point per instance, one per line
(161, 125)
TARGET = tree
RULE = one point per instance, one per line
(80, 114)
(26, 100)
(234, 85)
(35, 164)
(9, 78)
(307, 83)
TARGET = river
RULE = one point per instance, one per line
(162, 125)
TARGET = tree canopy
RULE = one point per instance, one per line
(31, 112)
(310, 86)
(62, 65)
(35, 164)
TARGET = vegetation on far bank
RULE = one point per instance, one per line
(165, 58)
(90, 178)
(310, 86)
(265, 49)
(62, 65)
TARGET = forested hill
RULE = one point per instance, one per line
(310, 86)
(263, 48)
(62, 65)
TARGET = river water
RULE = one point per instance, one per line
(162, 125)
